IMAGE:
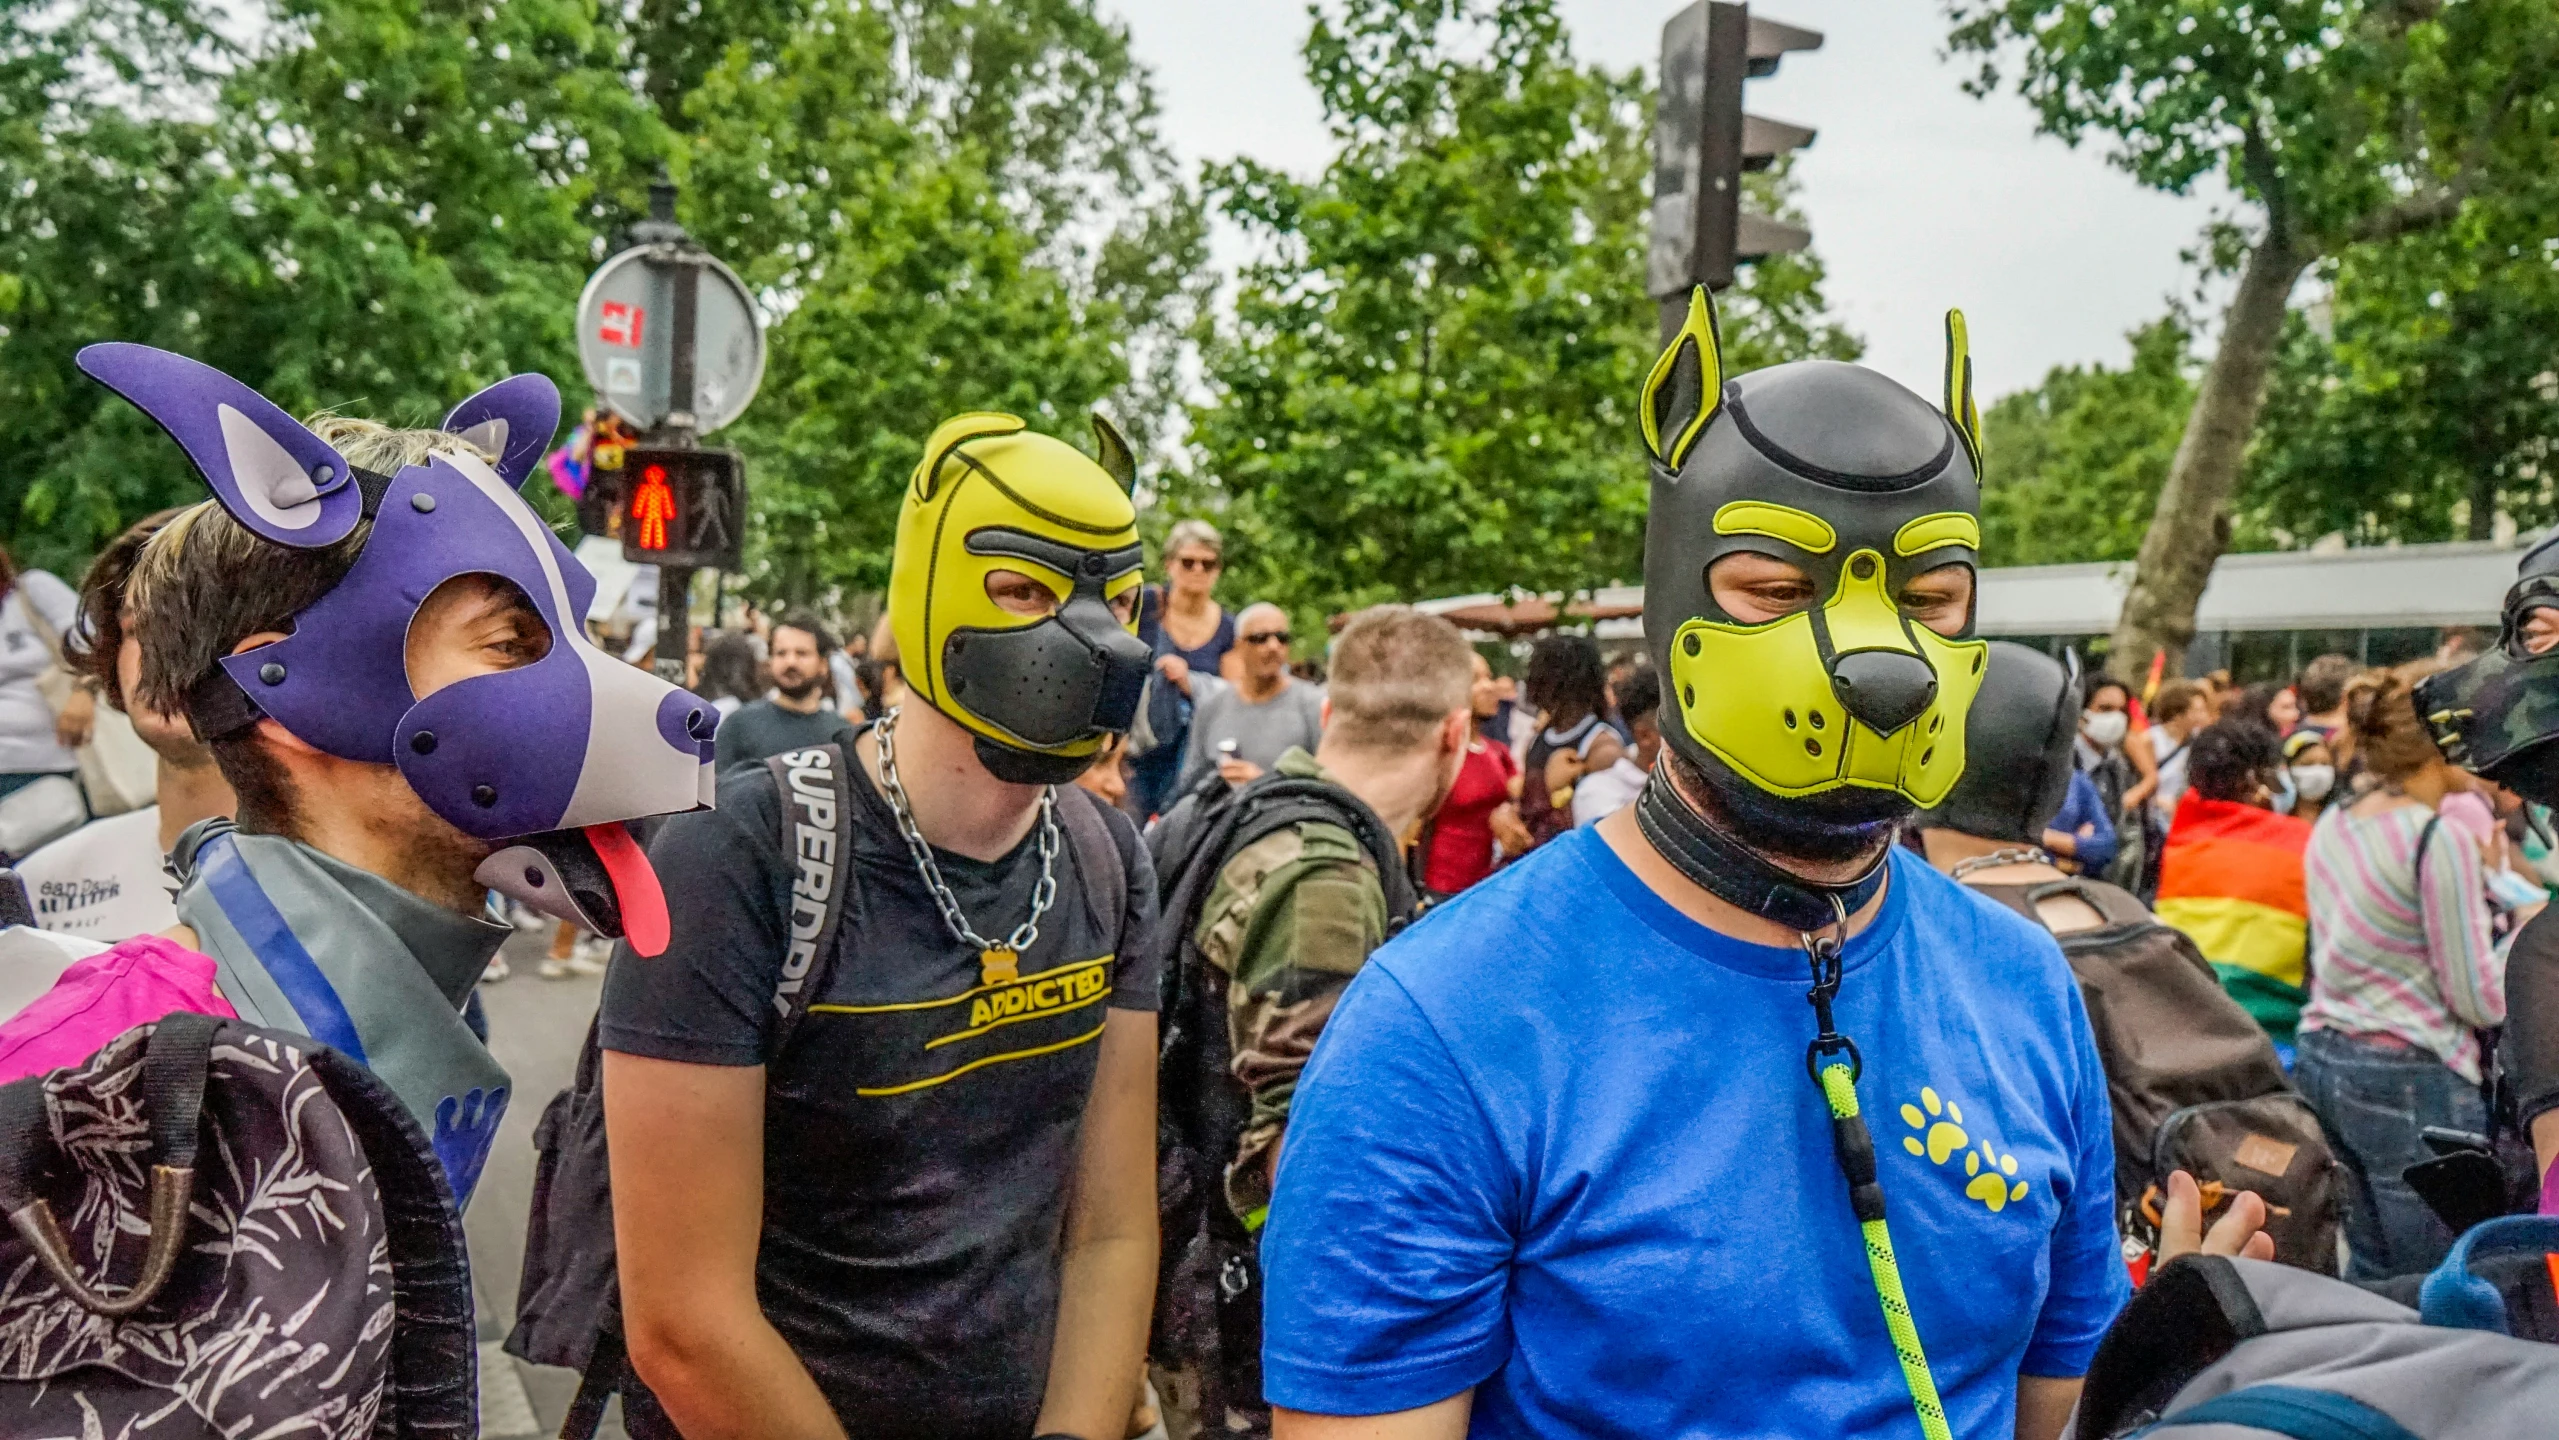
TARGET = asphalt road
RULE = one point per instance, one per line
(536, 1027)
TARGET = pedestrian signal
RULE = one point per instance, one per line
(682, 507)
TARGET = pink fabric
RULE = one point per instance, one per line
(99, 998)
(2471, 813)
(2550, 1191)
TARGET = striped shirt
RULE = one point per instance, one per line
(2385, 961)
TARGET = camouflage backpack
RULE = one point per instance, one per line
(1208, 1298)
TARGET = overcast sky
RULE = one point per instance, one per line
(1920, 196)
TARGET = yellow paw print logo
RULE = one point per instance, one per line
(1938, 1132)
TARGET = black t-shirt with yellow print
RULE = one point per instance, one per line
(921, 1128)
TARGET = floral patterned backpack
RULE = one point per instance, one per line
(220, 1230)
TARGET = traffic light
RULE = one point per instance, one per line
(1703, 144)
(682, 507)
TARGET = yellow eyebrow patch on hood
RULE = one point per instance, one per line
(1801, 529)
(1930, 532)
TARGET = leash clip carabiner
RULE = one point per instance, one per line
(1824, 949)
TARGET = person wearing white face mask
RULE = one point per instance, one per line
(2312, 767)
(2122, 780)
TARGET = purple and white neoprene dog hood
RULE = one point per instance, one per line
(551, 757)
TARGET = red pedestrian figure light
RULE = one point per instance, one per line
(652, 506)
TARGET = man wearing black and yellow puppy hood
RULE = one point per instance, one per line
(926, 1205)
(1576, 1158)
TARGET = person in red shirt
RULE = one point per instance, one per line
(1458, 847)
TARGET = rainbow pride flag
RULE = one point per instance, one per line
(2230, 877)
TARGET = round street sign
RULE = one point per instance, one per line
(626, 339)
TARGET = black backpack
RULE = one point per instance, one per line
(218, 1229)
(2193, 1080)
(1208, 1298)
(568, 1307)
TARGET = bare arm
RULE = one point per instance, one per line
(687, 1143)
(2145, 763)
(1605, 748)
(1443, 1421)
(1107, 1287)
(2043, 1406)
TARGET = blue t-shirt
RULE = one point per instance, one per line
(2082, 805)
(1558, 1144)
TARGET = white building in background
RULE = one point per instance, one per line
(2261, 616)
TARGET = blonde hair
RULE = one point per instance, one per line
(1396, 675)
(2383, 729)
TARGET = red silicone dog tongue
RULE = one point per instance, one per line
(635, 887)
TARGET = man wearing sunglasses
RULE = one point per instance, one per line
(1240, 730)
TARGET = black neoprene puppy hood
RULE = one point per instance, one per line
(2022, 726)
(1860, 485)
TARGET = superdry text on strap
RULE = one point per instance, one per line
(817, 835)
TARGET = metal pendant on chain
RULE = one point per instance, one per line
(999, 962)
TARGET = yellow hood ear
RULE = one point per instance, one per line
(1960, 405)
(1686, 385)
(953, 433)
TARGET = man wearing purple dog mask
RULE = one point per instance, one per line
(380, 642)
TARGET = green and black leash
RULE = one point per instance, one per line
(1834, 1064)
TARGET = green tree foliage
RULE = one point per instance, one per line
(2341, 123)
(2432, 403)
(953, 207)
(2076, 463)
(379, 205)
(375, 206)
(1428, 385)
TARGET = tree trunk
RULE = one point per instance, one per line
(2192, 520)
(2483, 486)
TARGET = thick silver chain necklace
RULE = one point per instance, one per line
(2013, 855)
(999, 962)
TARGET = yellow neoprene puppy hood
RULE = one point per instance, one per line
(1042, 693)
(1839, 471)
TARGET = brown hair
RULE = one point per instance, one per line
(2382, 723)
(206, 582)
(1396, 674)
(2176, 698)
(2323, 683)
(90, 650)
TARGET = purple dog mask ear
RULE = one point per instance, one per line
(275, 477)
(512, 420)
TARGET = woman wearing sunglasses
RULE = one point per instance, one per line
(1193, 634)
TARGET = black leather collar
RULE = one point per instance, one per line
(1739, 875)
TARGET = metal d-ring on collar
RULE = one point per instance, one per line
(1025, 934)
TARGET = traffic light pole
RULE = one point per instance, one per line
(675, 582)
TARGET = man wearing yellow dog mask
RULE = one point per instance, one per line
(1576, 1159)
(895, 1176)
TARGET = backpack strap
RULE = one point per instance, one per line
(1220, 826)
(813, 786)
(2109, 902)
(1097, 859)
(2292, 1410)
(2417, 869)
(817, 838)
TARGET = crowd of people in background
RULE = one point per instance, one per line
(2354, 891)
(1137, 893)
